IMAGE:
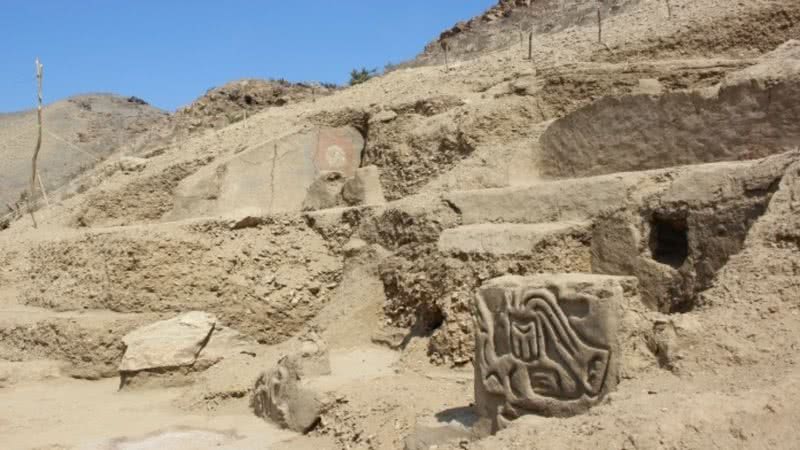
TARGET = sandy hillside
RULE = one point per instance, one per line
(78, 133)
(598, 247)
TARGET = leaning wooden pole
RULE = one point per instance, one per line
(34, 171)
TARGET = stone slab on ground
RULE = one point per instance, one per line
(505, 238)
(546, 344)
(174, 342)
(302, 385)
(282, 394)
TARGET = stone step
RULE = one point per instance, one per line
(506, 239)
(89, 341)
(547, 201)
(590, 197)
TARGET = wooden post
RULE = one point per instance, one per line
(446, 63)
(599, 24)
(530, 46)
(669, 9)
(34, 171)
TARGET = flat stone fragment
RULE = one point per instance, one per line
(169, 343)
(546, 344)
(364, 188)
(325, 192)
(505, 238)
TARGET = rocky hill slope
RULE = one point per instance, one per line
(511, 22)
(84, 131)
(78, 133)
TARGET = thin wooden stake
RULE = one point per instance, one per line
(446, 63)
(41, 186)
(530, 46)
(31, 200)
(599, 25)
(669, 9)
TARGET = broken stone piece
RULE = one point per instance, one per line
(282, 393)
(280, 396)
(132, 164)
(364, 188)
(545, 344)
(169, 343)
(383, 117)
(324, 192)
(392, 337)
(313, 358)
(649, 86)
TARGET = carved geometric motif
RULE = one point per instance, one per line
(544, 346)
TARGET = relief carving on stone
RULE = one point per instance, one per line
(534, 357)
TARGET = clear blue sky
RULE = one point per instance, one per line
(169, 52)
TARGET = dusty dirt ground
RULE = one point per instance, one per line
(669, 154)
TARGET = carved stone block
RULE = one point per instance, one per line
(545, 344)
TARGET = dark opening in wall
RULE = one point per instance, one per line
(669, 241)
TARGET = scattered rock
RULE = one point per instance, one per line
(283, 395)
(649, 86)
(354, 246)
(324, 192)
(248, 221)
(383, 116)
(392, 337)
(132, 164)
(364, 188)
